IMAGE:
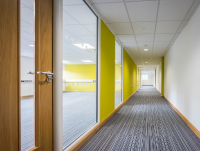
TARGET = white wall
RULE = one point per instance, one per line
(27, 64)
(158, 77)
(151, 77)
(182, 70)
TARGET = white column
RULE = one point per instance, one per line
(57, 77)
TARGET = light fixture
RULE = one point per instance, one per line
(146, 49)
(84, 46)
(115, 61)
(65, 61)
(31, 45)
(86, 60)
(146, 62)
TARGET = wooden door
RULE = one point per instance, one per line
(10, 75)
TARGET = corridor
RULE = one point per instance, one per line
(147, 123)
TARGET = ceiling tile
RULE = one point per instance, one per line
(112, 12)
(121, 28)
(192, 9)
(77, 30)
(144, 27)
(92, 28)
(163, 37)
(175, 37)
(130, 46)
(173, 9)
(140, 11)
(161, 44)
(182, 25)
(105, 1)
(67, 19)
(126, 38)
(73, 2)
(167, 26)
(144, 38)
(81, 13)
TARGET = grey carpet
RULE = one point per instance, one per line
(145, 123)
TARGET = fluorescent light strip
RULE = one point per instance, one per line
(86, 60)
(84, 46)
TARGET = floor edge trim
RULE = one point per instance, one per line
(191, 126)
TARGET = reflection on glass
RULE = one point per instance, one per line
(27, 74)
(79, 70)
(118, 74)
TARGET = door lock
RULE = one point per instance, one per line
(48, 74)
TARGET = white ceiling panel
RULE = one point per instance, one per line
(175, 37)
(73, 2)
(29, 30)
(28, 3)
(81, 13)
(92, 28)
(161, 44)
(77, 30)
(105, 1)
(67, 19)
(144, 27)
(140, 11)
(121, 28)
(112, 12)
(130, 46)
(145, 44)
(126, 38)
(163, 37)
(182, 25)
(27, 15)
(167, 26)
(192, 9)
(26, 35)
(174, 9)
(144, 38)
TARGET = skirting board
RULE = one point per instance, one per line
(82, 141)
(192, 127)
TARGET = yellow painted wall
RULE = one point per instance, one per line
(107, 72)
(129, 75)
(80, 72)
(118, 76)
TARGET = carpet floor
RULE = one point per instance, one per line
(146, 122)
(79, 114)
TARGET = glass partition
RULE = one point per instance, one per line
(118, 74)
(79, 70)
(27, 68)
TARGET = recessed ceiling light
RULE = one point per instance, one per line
(84, 46)
(146, 49)
(146, 62)
(31, 45)
(86, 60)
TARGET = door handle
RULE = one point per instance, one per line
(48, 74)
(30, 72)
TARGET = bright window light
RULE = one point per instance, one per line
(84, 46)
(31, 45)
(86, 60)
(146, 49)
(144, 77)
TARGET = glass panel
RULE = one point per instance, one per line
(27, 74)
(79, 70)
(118, 74)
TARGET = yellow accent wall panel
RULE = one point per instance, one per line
(80, 72)
(129, 75)
(155, 78)
(107, 72)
